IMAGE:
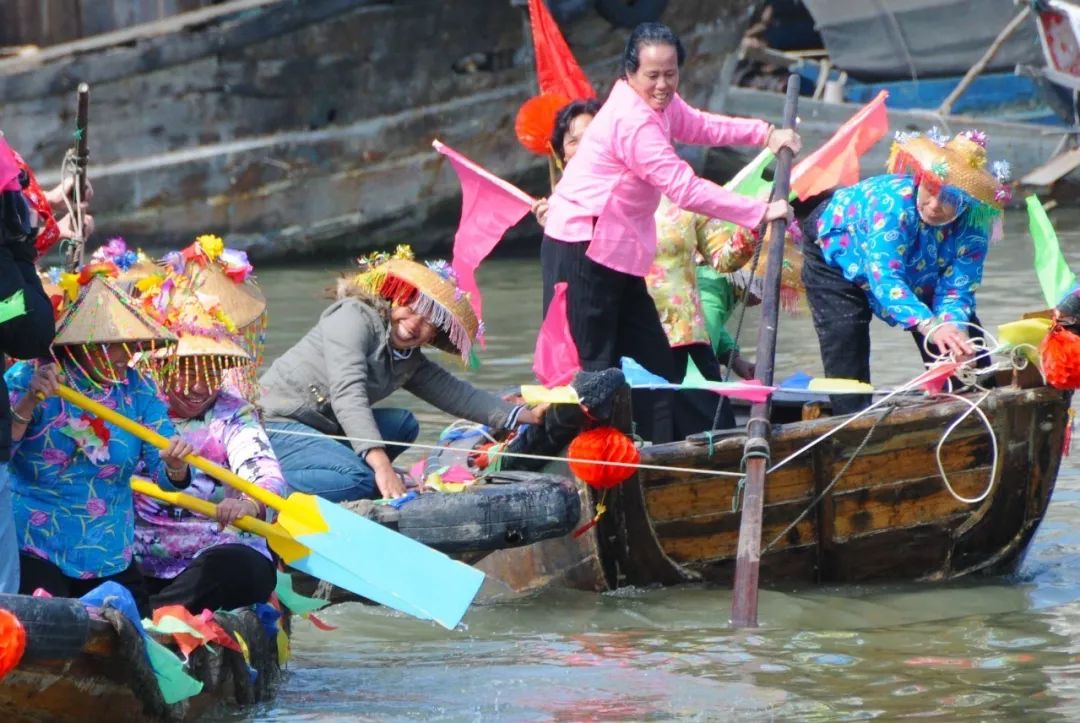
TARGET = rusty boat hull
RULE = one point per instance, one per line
(303, 128)
(884, 516)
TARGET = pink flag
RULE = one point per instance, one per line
(556, 360)
(489, 206)
(836, 163)
(9, 168)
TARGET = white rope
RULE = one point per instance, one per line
(974, 407)
(983, 348)
(522, 455)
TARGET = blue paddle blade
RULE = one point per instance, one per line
(388, 567)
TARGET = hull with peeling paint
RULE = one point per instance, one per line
(304, 128)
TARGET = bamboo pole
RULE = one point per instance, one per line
(973, 72)
(744, 602)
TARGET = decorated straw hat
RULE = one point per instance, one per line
(955, 169)
(428, 289)
(200, 334)
(130, 265)
(222, 273)
(103, 314)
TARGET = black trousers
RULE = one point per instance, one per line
(611, 315)
(36, 572)
(221, 578)
(841, 314)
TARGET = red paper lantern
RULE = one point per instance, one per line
(1060, 356)
(603, 444)
(12, 641)
(535, 121)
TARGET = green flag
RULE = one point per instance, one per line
(1054, 274)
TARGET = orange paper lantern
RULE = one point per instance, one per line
(12, 641)
(1060, 356)
(603, 444)
(535, 121)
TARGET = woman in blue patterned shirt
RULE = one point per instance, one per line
(74, 512)
(908, 247)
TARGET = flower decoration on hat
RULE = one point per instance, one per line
(430, 290)
(210, 269)
(208, 344)
(101, 315)
(956, 170)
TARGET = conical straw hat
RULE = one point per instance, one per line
(103, 314)
(200, 334)
(244, 302)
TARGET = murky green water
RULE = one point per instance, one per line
(991, 649)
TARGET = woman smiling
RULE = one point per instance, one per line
(365, 346)
(600, 225)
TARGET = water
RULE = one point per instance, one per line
(988, 649)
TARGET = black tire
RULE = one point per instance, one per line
(512, 510)
(630, 13)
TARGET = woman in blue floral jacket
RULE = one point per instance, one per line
(908, 247)
(71, 471)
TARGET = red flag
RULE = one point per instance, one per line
(556, 360)
(556, 69)
(489, 206)
(836, 163)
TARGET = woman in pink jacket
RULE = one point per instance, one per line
(600, 232)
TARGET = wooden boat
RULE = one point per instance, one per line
(80, 666)
(888, 516)
(306, 127)
(1026, 146)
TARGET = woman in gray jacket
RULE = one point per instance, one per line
(365, 346)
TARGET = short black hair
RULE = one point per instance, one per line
(566, 116)
(650, 34)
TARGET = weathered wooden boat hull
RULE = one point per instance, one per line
(1026, 146)
(888, 518)
(303, 127)
(76, 668)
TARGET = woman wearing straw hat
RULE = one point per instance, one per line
(366, 345)
(189, 560)
(907, 247)
(71, 470)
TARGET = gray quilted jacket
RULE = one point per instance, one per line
(330, 379)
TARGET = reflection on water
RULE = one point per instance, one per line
(982, 650)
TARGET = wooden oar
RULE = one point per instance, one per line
(344, 548)
(744, 604)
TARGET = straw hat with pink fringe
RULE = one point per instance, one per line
(428, 289)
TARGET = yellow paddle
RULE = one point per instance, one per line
(343, 548)
(279, 540)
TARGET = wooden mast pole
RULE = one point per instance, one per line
(74, 256)
(744, 604)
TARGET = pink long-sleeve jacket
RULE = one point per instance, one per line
(612, 186)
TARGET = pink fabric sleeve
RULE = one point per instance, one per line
(690, 125)
(650, 156)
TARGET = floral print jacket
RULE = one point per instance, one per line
(71, 474)
(168, 538)
(912, 272)
(682, 236)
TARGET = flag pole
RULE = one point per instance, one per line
(744, 605)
